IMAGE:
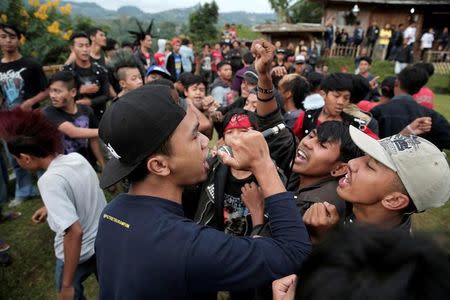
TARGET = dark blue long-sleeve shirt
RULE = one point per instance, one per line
(147, 249)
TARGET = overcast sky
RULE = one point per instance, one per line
(259, 6)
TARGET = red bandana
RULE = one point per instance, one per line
(238, 121)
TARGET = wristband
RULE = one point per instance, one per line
(411, 130)
(264, 100)
(265, 91)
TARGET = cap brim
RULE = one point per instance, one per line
(372, 147)
(115, 171)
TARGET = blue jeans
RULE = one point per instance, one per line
(24, 179)
(82, 273)
(3, 182)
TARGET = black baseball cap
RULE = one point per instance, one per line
(134, 127)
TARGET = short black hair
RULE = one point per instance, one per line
(93, 31)
(354, 263)
(127, 44)
(412, 79)
(77, 35)
(185, 42)
(314, 79)
(16, 30)
(185, 77)
(337, 82)
(68, 78)
(298, 86)
(223, 63)
(193, 80)
(206, 44)
(337, 132)
(361, 87)
(427, 67)
(248, 58)
(366, 58)
(110, 44)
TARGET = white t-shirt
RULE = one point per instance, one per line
(410, 34)
(427, 40)
(187, 58)
(71, 192)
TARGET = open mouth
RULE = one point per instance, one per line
(301, 156)
(345, 181)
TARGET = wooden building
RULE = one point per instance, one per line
(426, 13)
(286, 33)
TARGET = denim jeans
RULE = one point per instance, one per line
(24, 179)
(83, 271)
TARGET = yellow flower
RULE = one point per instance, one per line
(22, 40)
(54, 27)
(24, 13)
(67, 35)
(66, 9)
(34, 53)
(34, 3)
(41, 13)
(4, 18)
(53, 3)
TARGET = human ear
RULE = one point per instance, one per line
(395, 201)
(340, 169)
(158, 165)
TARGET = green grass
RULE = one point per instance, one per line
(438, 82)
(31, 274)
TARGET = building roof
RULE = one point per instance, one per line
(286, 27)
(396, 2)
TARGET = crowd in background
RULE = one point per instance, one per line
(143, 119)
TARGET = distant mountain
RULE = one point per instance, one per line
(177, 16)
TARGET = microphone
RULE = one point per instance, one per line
(274, 130)
(266, 133)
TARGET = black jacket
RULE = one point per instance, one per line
(210, 195)
(395, 115)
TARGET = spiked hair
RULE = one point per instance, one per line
(141, 33)
(122, 59)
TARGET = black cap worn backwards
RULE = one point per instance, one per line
(134, 127)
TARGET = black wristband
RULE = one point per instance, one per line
(265, 91)
(264, 100)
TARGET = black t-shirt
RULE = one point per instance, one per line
(21, 80)
(236, 215)
(83, 118)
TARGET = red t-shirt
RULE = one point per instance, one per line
(425, 97)
(366, 105)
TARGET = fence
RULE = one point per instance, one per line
(440, 61)
(346, 51)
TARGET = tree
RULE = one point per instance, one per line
(281, 9)
(304, 11)
(202, 23)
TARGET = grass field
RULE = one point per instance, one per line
(31, 274)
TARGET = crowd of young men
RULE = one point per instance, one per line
(303, 160)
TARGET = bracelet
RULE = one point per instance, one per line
(265, 91)
(264, 100)
(411, 130)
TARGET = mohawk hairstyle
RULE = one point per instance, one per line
(122, 59)
(141, 33)
(30, 133)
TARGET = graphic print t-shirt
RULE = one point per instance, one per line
(177, 58)
(21, 80)
(236, 218)
(83, 118)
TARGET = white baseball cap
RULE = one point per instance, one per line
(422, 167)
(300, 59)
